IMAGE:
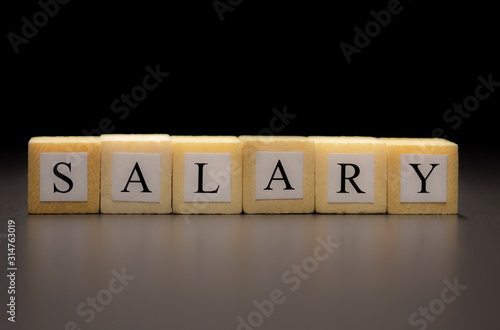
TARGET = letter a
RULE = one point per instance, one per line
(141, 179)
(279, 166)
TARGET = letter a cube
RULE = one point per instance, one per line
(278, 174)
(136, 171)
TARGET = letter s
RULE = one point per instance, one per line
(62, 177)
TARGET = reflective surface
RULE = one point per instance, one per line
(255, 271)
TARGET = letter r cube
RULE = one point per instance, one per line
(351, 174)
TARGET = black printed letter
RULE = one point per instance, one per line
(351, 179)
(62, 177)
(279, 166)
(141, 179)
(422, 178)
(200, 180)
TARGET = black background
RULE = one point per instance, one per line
(226, 77)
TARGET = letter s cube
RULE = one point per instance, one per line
(64, 174)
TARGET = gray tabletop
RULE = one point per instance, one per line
(246, 272)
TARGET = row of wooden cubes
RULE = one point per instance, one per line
(158, 173)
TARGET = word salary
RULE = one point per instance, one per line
(217, 175)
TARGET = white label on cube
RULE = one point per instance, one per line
(424, 178)
(351, 178)
(207, 177)
(136, 177)
(279, 175)
(63, 177)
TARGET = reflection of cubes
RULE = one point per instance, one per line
(422, 176)
(278, 174)
(351, 175)
(207, 175)
(64, 174)
(136, 173)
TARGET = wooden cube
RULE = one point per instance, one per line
(206, 175)
(64, 174)
(278, 174)
(422, 176)
(136, 173)
(351, 175)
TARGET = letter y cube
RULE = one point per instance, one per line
(422, 176)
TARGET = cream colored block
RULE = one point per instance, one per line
(422, 176)
(351, 175)
(206, 175)
(64, 174)
(136, 173)
(278, 174)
